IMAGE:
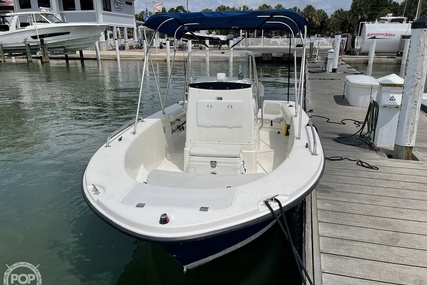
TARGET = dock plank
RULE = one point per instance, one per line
(373, 222)
(332, 279)
(374, 252)
(363, 199)
(367, 226)
(372, 210)
(374, 236)
(376, 191)
(373, 270)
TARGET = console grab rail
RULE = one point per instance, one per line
(313, 133)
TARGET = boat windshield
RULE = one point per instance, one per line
(227, 65)
(46, 18)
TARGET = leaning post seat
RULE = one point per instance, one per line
(220, 127)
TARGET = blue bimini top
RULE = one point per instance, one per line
(177, 24)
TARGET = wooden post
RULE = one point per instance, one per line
(98, 53)
(28, 51)
(336, 52)
(82, 58)
(311, 49)
(168, 55)
(3, 58)
(407, 41)
(45, 53)
(116, 41)
(413, 89)
(189, 46)
(371, 56)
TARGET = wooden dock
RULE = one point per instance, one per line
(363, 226)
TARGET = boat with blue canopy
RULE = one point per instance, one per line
(214, 171)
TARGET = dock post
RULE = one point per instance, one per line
(371, 56)
(330, 60)
(230, 58)
(28, 52)
(189, 46)
(98, 53)
(116, 41)
(337, 43)
(45, 53)
(3, 58)
(82, 58)
(311, 50)
(168, 55)
(413, 89)
(407, 40)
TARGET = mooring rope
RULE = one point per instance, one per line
(285, 229)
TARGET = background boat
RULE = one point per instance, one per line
(38, 28)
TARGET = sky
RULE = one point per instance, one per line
(196, 5)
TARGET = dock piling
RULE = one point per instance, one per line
(407, 41)
(371, 56)
(44, 51)
(3, 58)
(28, 52)
(168, 55)
(116, 41)
(82, 58)
(337, 43)
(413, 89)
(97, 51)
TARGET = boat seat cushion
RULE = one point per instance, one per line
(273, 111)
(217, 150)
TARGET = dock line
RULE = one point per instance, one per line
(285, 229)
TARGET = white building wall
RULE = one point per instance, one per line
(122, 12)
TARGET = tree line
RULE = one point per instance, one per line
(344, 21)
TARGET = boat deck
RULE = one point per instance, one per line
(363, 226)
(267, 157)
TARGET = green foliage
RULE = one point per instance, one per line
(226, 8)
(340, 22)
(265, 7)
(178, 9)
(370, 10)
(408, 8)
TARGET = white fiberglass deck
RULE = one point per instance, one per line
(269, 156)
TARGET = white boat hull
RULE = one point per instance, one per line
(209, 174)
(134, 205)
(65, 37)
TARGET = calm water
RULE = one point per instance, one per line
(52, 119)
(378, 70)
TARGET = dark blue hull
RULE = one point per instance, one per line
(192, 253)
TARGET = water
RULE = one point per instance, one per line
(52, 120)
(378, 69)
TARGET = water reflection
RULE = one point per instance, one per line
(264, 261)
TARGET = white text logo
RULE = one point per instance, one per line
(22, 273)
